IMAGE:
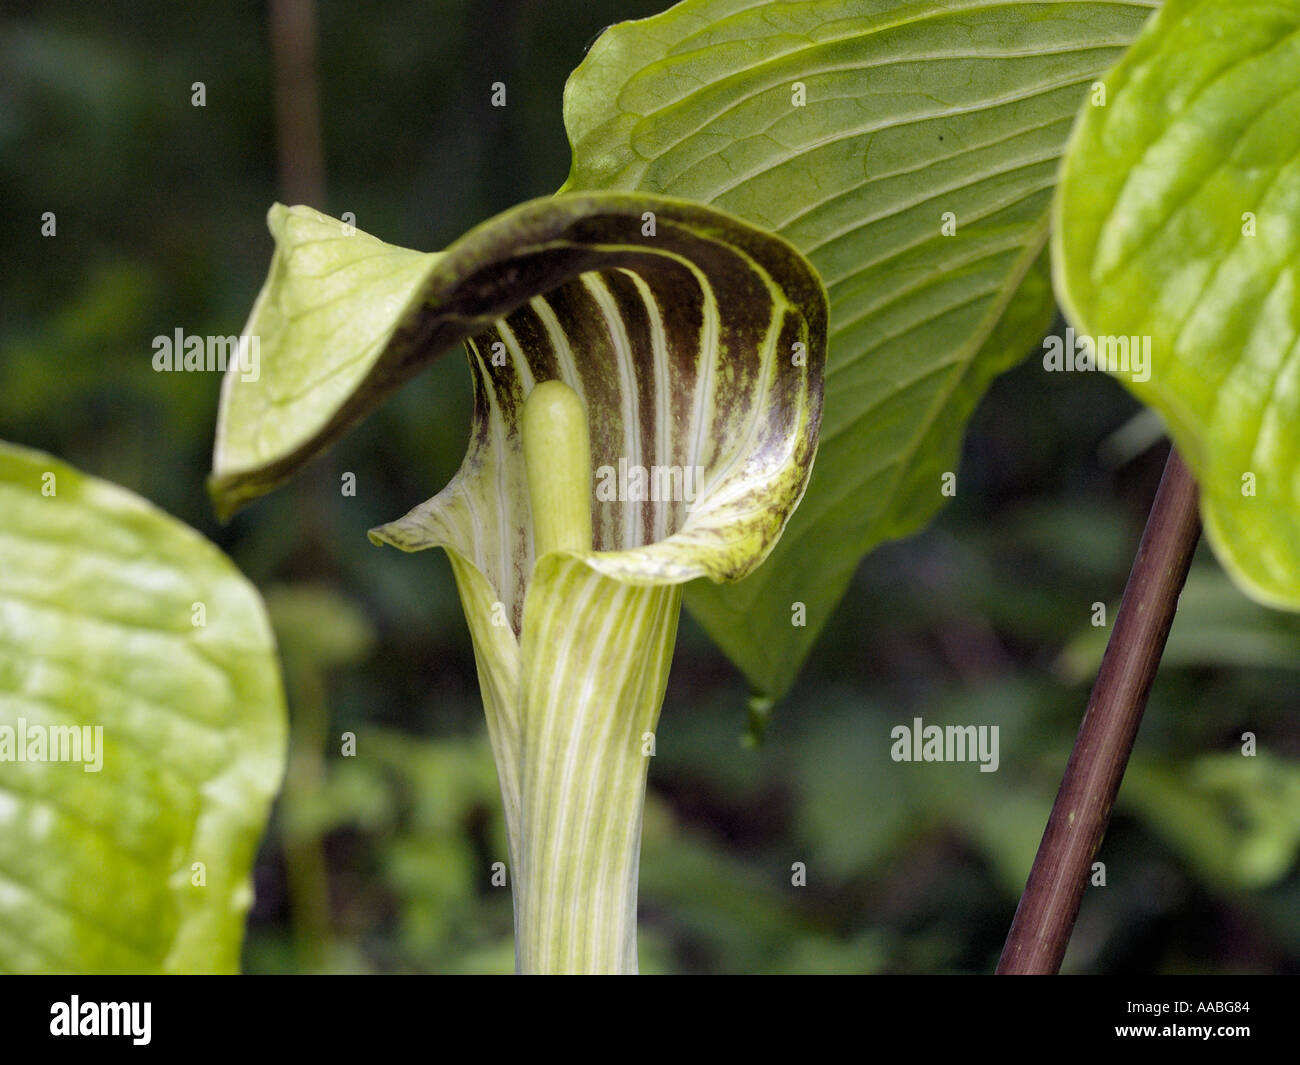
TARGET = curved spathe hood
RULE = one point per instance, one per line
(696, 342)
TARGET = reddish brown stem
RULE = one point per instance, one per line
(1050, 903)
(297, 102)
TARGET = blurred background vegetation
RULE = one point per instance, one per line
(382, 862)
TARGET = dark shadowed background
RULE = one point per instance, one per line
(382, 862)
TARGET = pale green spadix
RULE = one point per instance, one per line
(557, 456)
(652, 335)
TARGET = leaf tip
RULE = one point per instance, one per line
(226, 499)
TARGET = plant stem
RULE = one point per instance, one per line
(306, 870)
(297, 102)
(589, 718)
(1049, 906)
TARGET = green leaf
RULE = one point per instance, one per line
(595, 659)
(1235, 819)
(324, 350)
(100, 595)
(910, 110)
(1179, 221)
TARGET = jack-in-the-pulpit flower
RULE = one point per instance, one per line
(648, 384)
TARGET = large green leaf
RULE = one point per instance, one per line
(115, 617)
(1179, 221)
(911, 110)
